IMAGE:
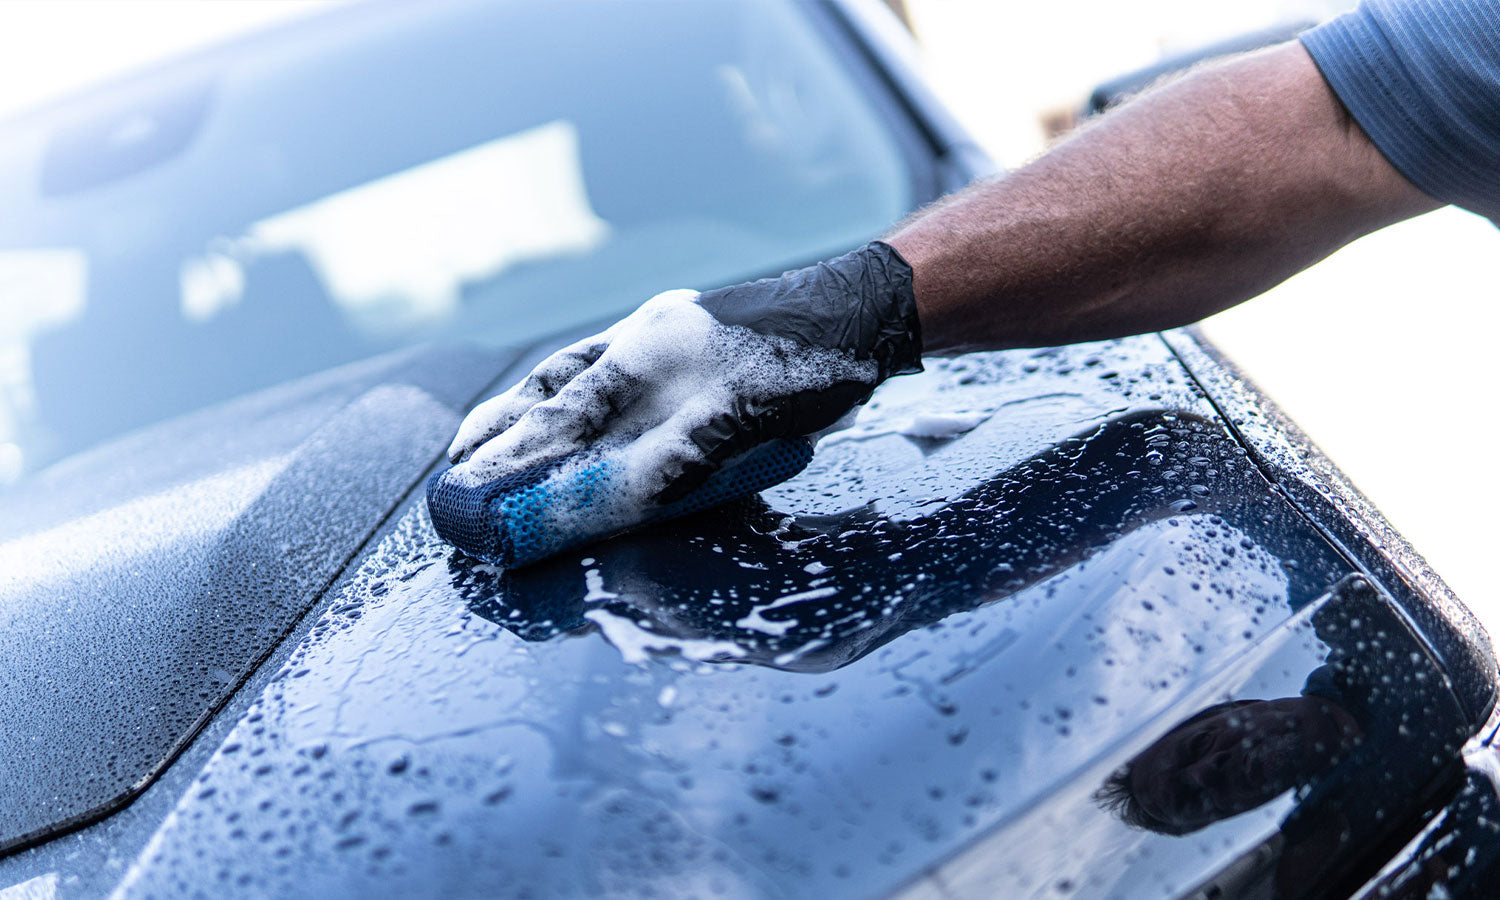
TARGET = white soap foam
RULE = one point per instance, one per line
(670, 366)
(594, 584)
(636, 643)
(942, 425)
(755, 620)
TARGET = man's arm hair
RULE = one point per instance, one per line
(1180, 203)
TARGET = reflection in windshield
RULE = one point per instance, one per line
(39, 290)
(411, 173)
(394, 253)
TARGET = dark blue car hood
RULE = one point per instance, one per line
(142, 581)
(922, 659)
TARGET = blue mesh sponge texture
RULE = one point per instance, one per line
(533, 514)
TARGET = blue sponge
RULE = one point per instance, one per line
(531, 515)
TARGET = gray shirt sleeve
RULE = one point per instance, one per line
(1422, 78)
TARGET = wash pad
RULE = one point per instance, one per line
(527, 516)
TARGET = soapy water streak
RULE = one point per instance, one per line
(637, 392)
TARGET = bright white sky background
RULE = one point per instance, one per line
(1380, 353)
(1384, 353)
(51, 47)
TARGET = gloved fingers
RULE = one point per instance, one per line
(717, 435)
(577, 415)
(500, 412)
(668, 461)
(815, 410)
(728, 433)
(748, 424)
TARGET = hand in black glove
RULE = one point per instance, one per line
(691, 380)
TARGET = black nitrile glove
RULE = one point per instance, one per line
(691, 380)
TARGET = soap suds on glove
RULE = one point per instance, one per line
(625, 421)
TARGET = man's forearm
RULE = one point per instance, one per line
(1181, 203)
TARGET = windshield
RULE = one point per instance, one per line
(409, 173)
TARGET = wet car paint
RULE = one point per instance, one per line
(1289, 809)
(381, 748)
(156, 573)
(1458, 853)
(920, 660)
(1312, 483)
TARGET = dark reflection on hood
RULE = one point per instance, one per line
(1345, 744)
(1228, 759)
(814, 593)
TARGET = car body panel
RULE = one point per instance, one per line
(160, 569)
(912, 670)
(839, 690)
(1318, 837)
(1458, 853)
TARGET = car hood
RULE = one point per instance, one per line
(919, 663)
(141, 582)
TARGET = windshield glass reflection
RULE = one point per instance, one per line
(403, 173)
